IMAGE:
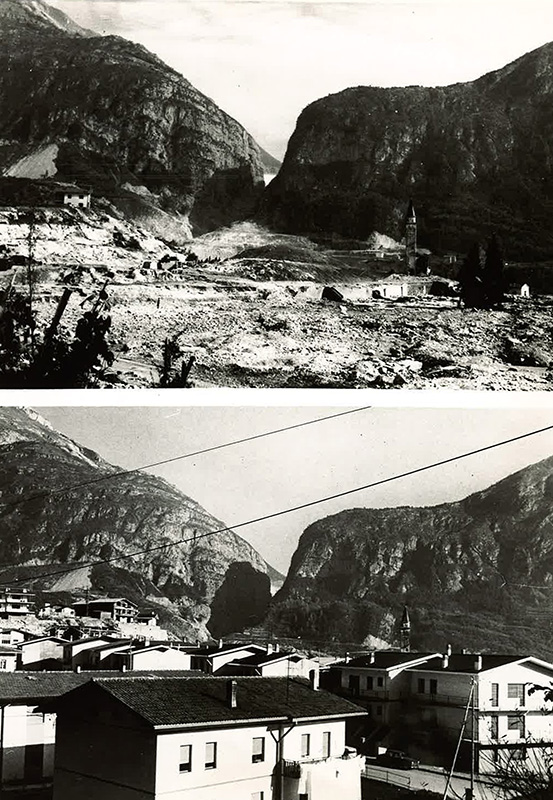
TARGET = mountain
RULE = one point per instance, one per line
(46, 527)
(477, 573)
(475, 157)
(106, 113)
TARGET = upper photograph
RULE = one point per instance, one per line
(276, 194)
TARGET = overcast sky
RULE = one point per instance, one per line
(264, 61)
(287, 469)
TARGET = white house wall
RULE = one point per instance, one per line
(157, 659)
(23, 728)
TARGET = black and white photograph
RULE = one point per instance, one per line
(276, 602)
(276, 193)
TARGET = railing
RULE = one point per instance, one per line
(382, 774)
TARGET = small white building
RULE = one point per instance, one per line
(272, 664)
(204, 738)
(212, 659)
(154, 657)
(525, 290)
(35, 652)
(77, 198)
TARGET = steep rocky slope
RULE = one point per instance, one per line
(106, 113)
(44, 529)
(477, 573)
(475, 157)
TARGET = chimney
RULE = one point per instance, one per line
(371, 657)
(269, 648)
(123, 667)
(346, 658)
(78, 668)
(464, 651)
(231, 694)
(477, 662)
(314, 679)
(277, 647)
(448, 650)
(445, 660)
(220, 644)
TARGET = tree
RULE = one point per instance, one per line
(31, 357)
(481, 278)
(471, 278)
(494, 281)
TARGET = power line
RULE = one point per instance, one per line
(299, 507)
(120, 473)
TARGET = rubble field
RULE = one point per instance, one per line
(254, 317)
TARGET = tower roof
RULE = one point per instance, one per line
(411, 210)
(405, 621)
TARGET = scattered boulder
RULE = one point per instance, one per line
(330, 293)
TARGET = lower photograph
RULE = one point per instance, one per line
(276, 603)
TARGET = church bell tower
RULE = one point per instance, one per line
(411, 239)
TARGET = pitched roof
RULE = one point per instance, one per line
(32, 687)
(383, 659)
(465, 662)
(176, 702)
(260, 659)
(231, 648)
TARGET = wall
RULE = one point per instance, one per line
(236, 775)
(24, 729)
(40, 650)
(158, 659)
(103, 751)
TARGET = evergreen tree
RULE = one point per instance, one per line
(494, 281)
(471, 284)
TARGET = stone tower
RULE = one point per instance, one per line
(411, 239)
(405, 631)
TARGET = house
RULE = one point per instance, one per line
(202, 738)
(98, 657)
(419, 701)
(16, 602)
(41, 652)
(75, 654)
(27, 736)
(272, 664)
(13, 636)
(8, 658)
(78, 198)
(156, 657)
(118, 609)
(212, 659)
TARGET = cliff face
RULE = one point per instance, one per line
(477, 573)
(475, 157)
(104, 112)
(125, 514)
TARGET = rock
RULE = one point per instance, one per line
(273, 322)
(113, 113)
(526, 354)
(131, 513)
(364, 151)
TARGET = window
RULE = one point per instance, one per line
(433, 686)
(380, 681)
(258, 749)
(494, 727)
(185, 761)
(370, 683)
(3, 663)
(515, 691)
(305, 744)
(420, 686)
(326, 744)
(495, 695)
(515, 722)
(354, 684)
(210, 755)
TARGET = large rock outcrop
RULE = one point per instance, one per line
(104, 112)
(44, 529)
(477, 573)
(475, 157)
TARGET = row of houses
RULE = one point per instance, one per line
(157, 735)
(426, 703)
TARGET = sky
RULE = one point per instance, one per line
(276, 472)
(263, 61)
